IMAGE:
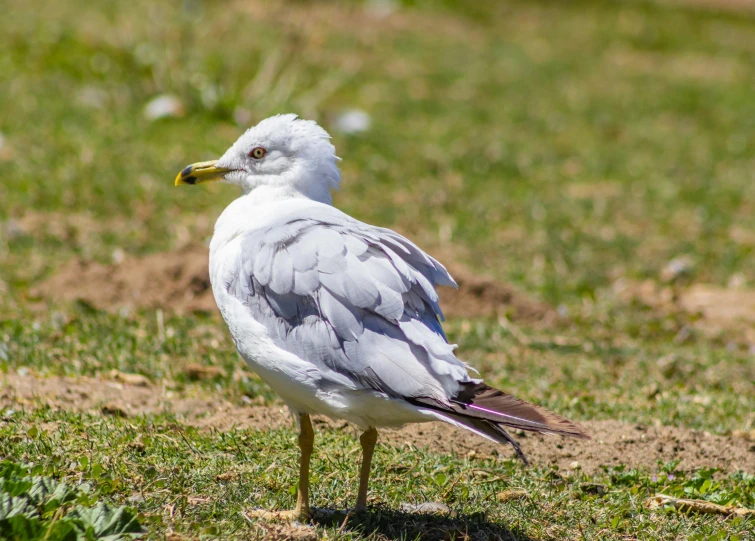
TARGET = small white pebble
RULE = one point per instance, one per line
(352, 121)
(162, 106)
(118, 256)
(677, 268)
(380, 8)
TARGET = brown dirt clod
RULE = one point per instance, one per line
(176, 281)
(197, 371)
(481, 296)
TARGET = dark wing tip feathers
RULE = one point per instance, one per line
(486, 410)
(478, 401)
(481, 400)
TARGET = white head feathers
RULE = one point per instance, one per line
(287, 154)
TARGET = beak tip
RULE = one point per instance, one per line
(185, 178)
(200, 172)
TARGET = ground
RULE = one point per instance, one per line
(586, 171)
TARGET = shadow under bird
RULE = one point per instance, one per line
(339, 317)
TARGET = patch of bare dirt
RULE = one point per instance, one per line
(479, 295)
(179, 281)
(113, 397)
(718, 308)
(720, 305)
(613, 442)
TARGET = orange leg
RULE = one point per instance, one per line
(368, 440)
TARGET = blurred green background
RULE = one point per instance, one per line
(599, 156)
(563, 145)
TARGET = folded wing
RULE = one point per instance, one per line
(358, 301)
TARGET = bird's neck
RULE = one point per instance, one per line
(307, 179)
(266, 194)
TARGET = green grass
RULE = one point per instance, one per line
(208, 484)
(558, 146)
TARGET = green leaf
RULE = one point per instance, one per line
(62, 530)
(21, 526)
(107, 523)
(22, 497)
(14, 506)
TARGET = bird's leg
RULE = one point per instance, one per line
(368, 440)
(302, 511)
(306, 443)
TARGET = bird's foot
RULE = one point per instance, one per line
(290, 515)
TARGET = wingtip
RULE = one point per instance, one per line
(575, 431)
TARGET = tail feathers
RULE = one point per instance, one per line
(484, 402)
(485, 411)
(481, 427)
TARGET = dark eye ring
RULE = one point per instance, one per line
(257, 153)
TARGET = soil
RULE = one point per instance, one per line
(715, 309)
(175, 281)
(612, 443)
(179, 282)
(482, 296)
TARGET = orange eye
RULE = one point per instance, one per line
(257, 153)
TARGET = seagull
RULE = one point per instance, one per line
(339, 317)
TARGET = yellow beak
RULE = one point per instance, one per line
(197, 173)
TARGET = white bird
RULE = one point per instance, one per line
(339, 317)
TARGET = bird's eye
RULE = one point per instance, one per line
(257, 153)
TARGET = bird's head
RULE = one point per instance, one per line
(282, 153)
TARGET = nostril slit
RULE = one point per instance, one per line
(186, 172)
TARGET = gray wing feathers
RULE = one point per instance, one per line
(356, 300)
(344, 319)
(282, 279)
(304, 256)
(263, 264)
(306, 282)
